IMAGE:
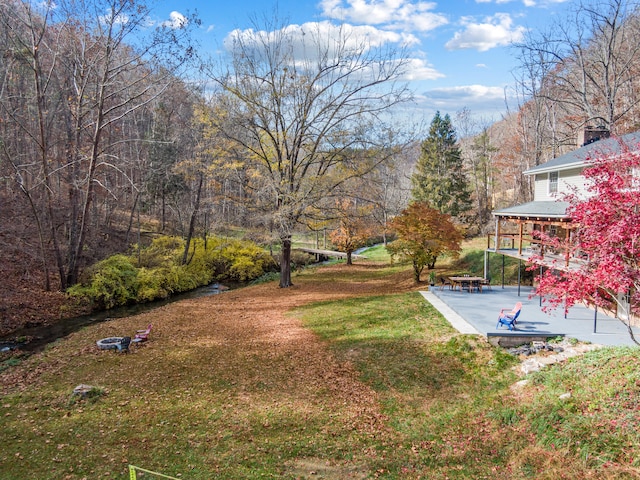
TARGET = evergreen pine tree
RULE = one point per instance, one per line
(439, 179)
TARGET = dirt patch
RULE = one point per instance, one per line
(310, 468)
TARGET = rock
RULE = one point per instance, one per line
(530, 365)
(542, 354)
(83, 390)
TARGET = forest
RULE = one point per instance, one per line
(113, 133)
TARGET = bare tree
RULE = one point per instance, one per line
(300, 100)
(90, 68)
(388, 187)
(26, 80)
(477, 152)
(537, 109)
(589, 63)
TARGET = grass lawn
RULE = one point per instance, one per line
(347, 374)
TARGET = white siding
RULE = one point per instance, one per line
(567, 181)
(541, 189)
(570, 179)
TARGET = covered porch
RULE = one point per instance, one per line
(517, 235)
(516, 232)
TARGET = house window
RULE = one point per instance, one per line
(553, 182)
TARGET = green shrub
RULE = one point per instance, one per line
(163, 250)
(156, 271)
(113, 282)
(246, 262)
(183, 279)
(152, 284)
(199, 269)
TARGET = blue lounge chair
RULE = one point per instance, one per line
(509, 318)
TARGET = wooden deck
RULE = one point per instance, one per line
(550, 259)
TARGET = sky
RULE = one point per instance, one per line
(461, 50)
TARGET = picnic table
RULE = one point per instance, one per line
(467, 283)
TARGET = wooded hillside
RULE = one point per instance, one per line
(582, 72)
(102, 137)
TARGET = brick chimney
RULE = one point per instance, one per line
(592, 134)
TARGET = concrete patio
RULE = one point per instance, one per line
(477, 313)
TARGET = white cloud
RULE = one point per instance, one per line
(481, 100)
(113, 18)
(346, 35)
(46, 5)
(395, 14)
(467, 92)
(495, 31)
(176, 21)
(418, 69)
(333, 40)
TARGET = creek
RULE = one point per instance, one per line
(35, 338)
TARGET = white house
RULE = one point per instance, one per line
(552, 180)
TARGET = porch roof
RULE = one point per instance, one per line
(534, 210)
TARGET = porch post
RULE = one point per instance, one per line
(519, 268)
(541, 271)
(520, 238)
(486, 263)
(567, 237)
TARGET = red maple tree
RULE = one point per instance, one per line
(424, 234)
(607, 238)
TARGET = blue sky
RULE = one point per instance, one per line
(460, 48)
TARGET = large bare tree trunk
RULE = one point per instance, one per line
(285, 263)
(192, 221)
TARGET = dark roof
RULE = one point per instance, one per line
(578, 158)
(550, 209)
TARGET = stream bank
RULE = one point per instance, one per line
(34, 338)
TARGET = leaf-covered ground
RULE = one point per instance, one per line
(238, 386)
(24, 301)
(202, 353)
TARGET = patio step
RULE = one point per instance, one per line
(515, 339)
